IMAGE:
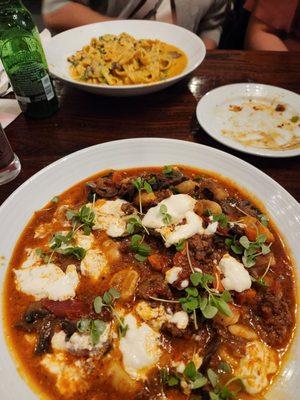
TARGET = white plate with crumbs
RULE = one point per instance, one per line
(253, 118)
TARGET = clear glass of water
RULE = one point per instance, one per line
(10, 165)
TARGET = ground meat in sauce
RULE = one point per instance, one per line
(104, 187)
(274, 318)
(206, 251)
(153, 285)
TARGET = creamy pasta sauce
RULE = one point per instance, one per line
(150, 283)
(124, 60)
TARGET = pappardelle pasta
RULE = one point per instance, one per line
(124, 60)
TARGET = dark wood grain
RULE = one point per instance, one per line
(85, 119)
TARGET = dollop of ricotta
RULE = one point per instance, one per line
(140, 348)
(110, 217)
(236, 277)
(47, 281)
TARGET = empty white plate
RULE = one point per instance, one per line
(253, 118)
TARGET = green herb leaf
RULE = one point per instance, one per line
(133, 224)
(263, 219)
(39, 252)
(147, 187)
(189, 304)
(167, 219)
(141, 249)
(261, 238)
(168, 170)
(138, 183)
(203, 302)
(98, 304)
(228, 242)
(214, 396)
(226, 296)
(223, 366)
(213, 377)
(190, 371)
(181, 245)
(248, 261)
(123, 328)
(192, 292)
(295, 119)
(77, 252)
(173, 380)
(196, 278)
(265, 249)
(70, 214)
(84, 325)
(223, 307)
(236, 249)
(97, 328)
(199, 381)
(244, 241)
(141, 184)
(140, 258)
(84, 217)
(209, 311)
(222, 219)
(114, 293)
(55, 199)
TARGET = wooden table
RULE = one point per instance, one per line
(85, 119)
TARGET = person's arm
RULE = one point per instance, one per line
(72, 15)
(210, 44)
(210, 26)
(260, 36)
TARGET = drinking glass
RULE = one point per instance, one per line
(10, 165)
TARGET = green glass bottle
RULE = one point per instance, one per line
(24, 60)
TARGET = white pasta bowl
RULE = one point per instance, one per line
(63, 45)
(59, 176)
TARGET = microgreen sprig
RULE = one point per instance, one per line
(222, 392)
(55, 199)
(208, 303)
(167, 219)
(249, 250)
(141, 184)
(194, 377)
(108, 300)
(168, 170)
(221, 218)
(263, 219)
(84, 219)
(135, 224)
(180, 246)
(59, 239)
(95, 327)
(141, 249)
(168, 378)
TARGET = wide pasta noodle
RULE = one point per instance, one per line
(124, 60)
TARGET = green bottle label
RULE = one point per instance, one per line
(26, 67)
